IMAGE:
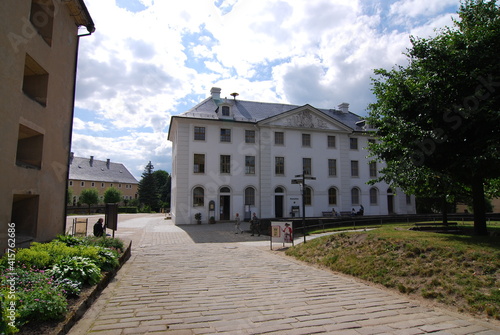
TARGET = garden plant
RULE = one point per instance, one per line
(42, 279)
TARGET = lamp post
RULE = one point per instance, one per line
(302, 183)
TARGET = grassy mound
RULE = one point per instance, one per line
(456, 270)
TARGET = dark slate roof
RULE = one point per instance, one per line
(253, 111)
(100, 171)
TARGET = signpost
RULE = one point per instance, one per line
(302, 183)
(111, 218)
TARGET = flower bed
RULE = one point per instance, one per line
(43, 280)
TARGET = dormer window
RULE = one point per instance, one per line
(225, 111)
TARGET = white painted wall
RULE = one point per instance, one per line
(265, 180)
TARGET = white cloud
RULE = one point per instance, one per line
(79, 124)
(415, 8)
(140, 68)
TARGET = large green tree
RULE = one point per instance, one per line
(163, 182)
(89, 196)
(112, 196)
(148, 189)
(441, 111)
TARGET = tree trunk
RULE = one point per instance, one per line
(444, 210)
(479, 206)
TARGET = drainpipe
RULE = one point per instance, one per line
(65, 212)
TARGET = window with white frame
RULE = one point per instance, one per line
(198, 196)
(250, 196)
(249, 136)
(353, 143)
(279, 165)
(373, 169)
(225, 164)
(373, 196)
(331, 141)
(279, 138)
(332, 196)
(306, 140)
(199, 163)
(308, 196)
(354, 169)
(332, 167)
(249, 164)
(199, 133)
(307, 165)
(225, 135)
(355, 196)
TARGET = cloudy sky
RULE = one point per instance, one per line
(151, 59)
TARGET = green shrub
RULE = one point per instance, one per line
(57, 250)
(107, 242)
(129, 209)
(37, 297)
(108, 259)
(40, 259)
(70, 240)
(69, 287)
(7, 316)
(77, 268)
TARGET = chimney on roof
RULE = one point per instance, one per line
(91, 160)
(107, 163)
(344, 107)
(71, 156)
(215, 92)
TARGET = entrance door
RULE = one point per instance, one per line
(278, 206)
(225, 209)
(390, 201)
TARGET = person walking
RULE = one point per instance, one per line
(255, 225)
(288, 233)
(237, 222)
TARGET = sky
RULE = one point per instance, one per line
(151, 59)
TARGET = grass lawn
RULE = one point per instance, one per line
(460, 271)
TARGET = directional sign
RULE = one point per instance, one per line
(305, 177)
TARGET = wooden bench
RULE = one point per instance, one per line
(345, 213)
(328, 214)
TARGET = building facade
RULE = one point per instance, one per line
(85, 173)
(39, 49)
(232, 156)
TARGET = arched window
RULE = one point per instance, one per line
(308, 196)
(225, 190)
(332, 196)
(250, 196)
(355, 196)
(198, 196)
(373, 196)
(279, 189)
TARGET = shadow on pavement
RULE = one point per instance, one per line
(220, 233)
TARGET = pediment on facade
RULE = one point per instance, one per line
(306, 117)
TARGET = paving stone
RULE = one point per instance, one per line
(229, 284)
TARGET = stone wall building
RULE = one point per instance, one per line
(39, 52)
(85, 173)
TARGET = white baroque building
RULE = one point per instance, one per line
(232, 156)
